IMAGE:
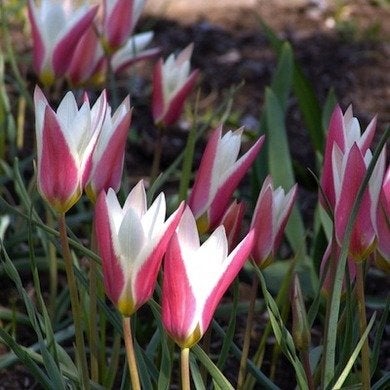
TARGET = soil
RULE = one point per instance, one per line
(345, 47)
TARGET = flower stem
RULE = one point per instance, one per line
(365, 353)
(307, 368)
(131, 360)
(247, 336)
(75, 303)
(185, 368)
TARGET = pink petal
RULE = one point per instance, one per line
(114, 281)
(119, 24)
(65, 48)
(175, 105)
(262, 225)
(237, 259)
(363, 233)
(147, 274)
(178, 301)
(158, 93)
(58, 176)
(107, 172)
(39, 48)
(200, 192)
(225, 191)
(335, 135)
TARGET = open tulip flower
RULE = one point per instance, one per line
(349, 170)
(218, 176)
(132, 241)
(172, 83)
(269, 220)
(109, 152)
(195, 278)
(383, 225)
(56, 29)
(344, 131)
(65, 143)
(119, 20)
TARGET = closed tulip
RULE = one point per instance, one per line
(343, 131)
(66, 139)
(196, 277)
(132, 241)
(172, 83)
(270, 217)
(109, 152)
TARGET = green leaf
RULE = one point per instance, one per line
(354, 355)
(213, 370)
(280, 166)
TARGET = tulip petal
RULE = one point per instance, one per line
(112, 270)
(178, 300)
(63, 52)
(57, 161)
(363, 233)
(228, 273)
(225, 191)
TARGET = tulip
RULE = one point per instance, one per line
(343, 131)
(349, 170)
(218, 176)
(270, 217)
(56, 30)
(88, 66)
(65, 143)
(119, 20)
(383, 225)
(131, 242)
(108, 155)
(195, 278)
(133, 51)
(172, 83)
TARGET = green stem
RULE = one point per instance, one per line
(185, 368)
(365, 353)
(74, 299)
(53, 270)
(93, 318)
(247, 336)
(131, 360)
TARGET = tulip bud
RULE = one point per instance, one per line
(300, 326)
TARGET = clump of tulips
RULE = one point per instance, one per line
(179, 255)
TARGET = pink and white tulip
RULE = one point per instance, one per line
(172, 83)
(218, 176)
(131, 242)
(119, 20)
(344, 131)
(108, 155)
(196, 277)
(56, 29)
(349, 170)
(66, 139)
(134, 50)
(270, 217)
(383, 225)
